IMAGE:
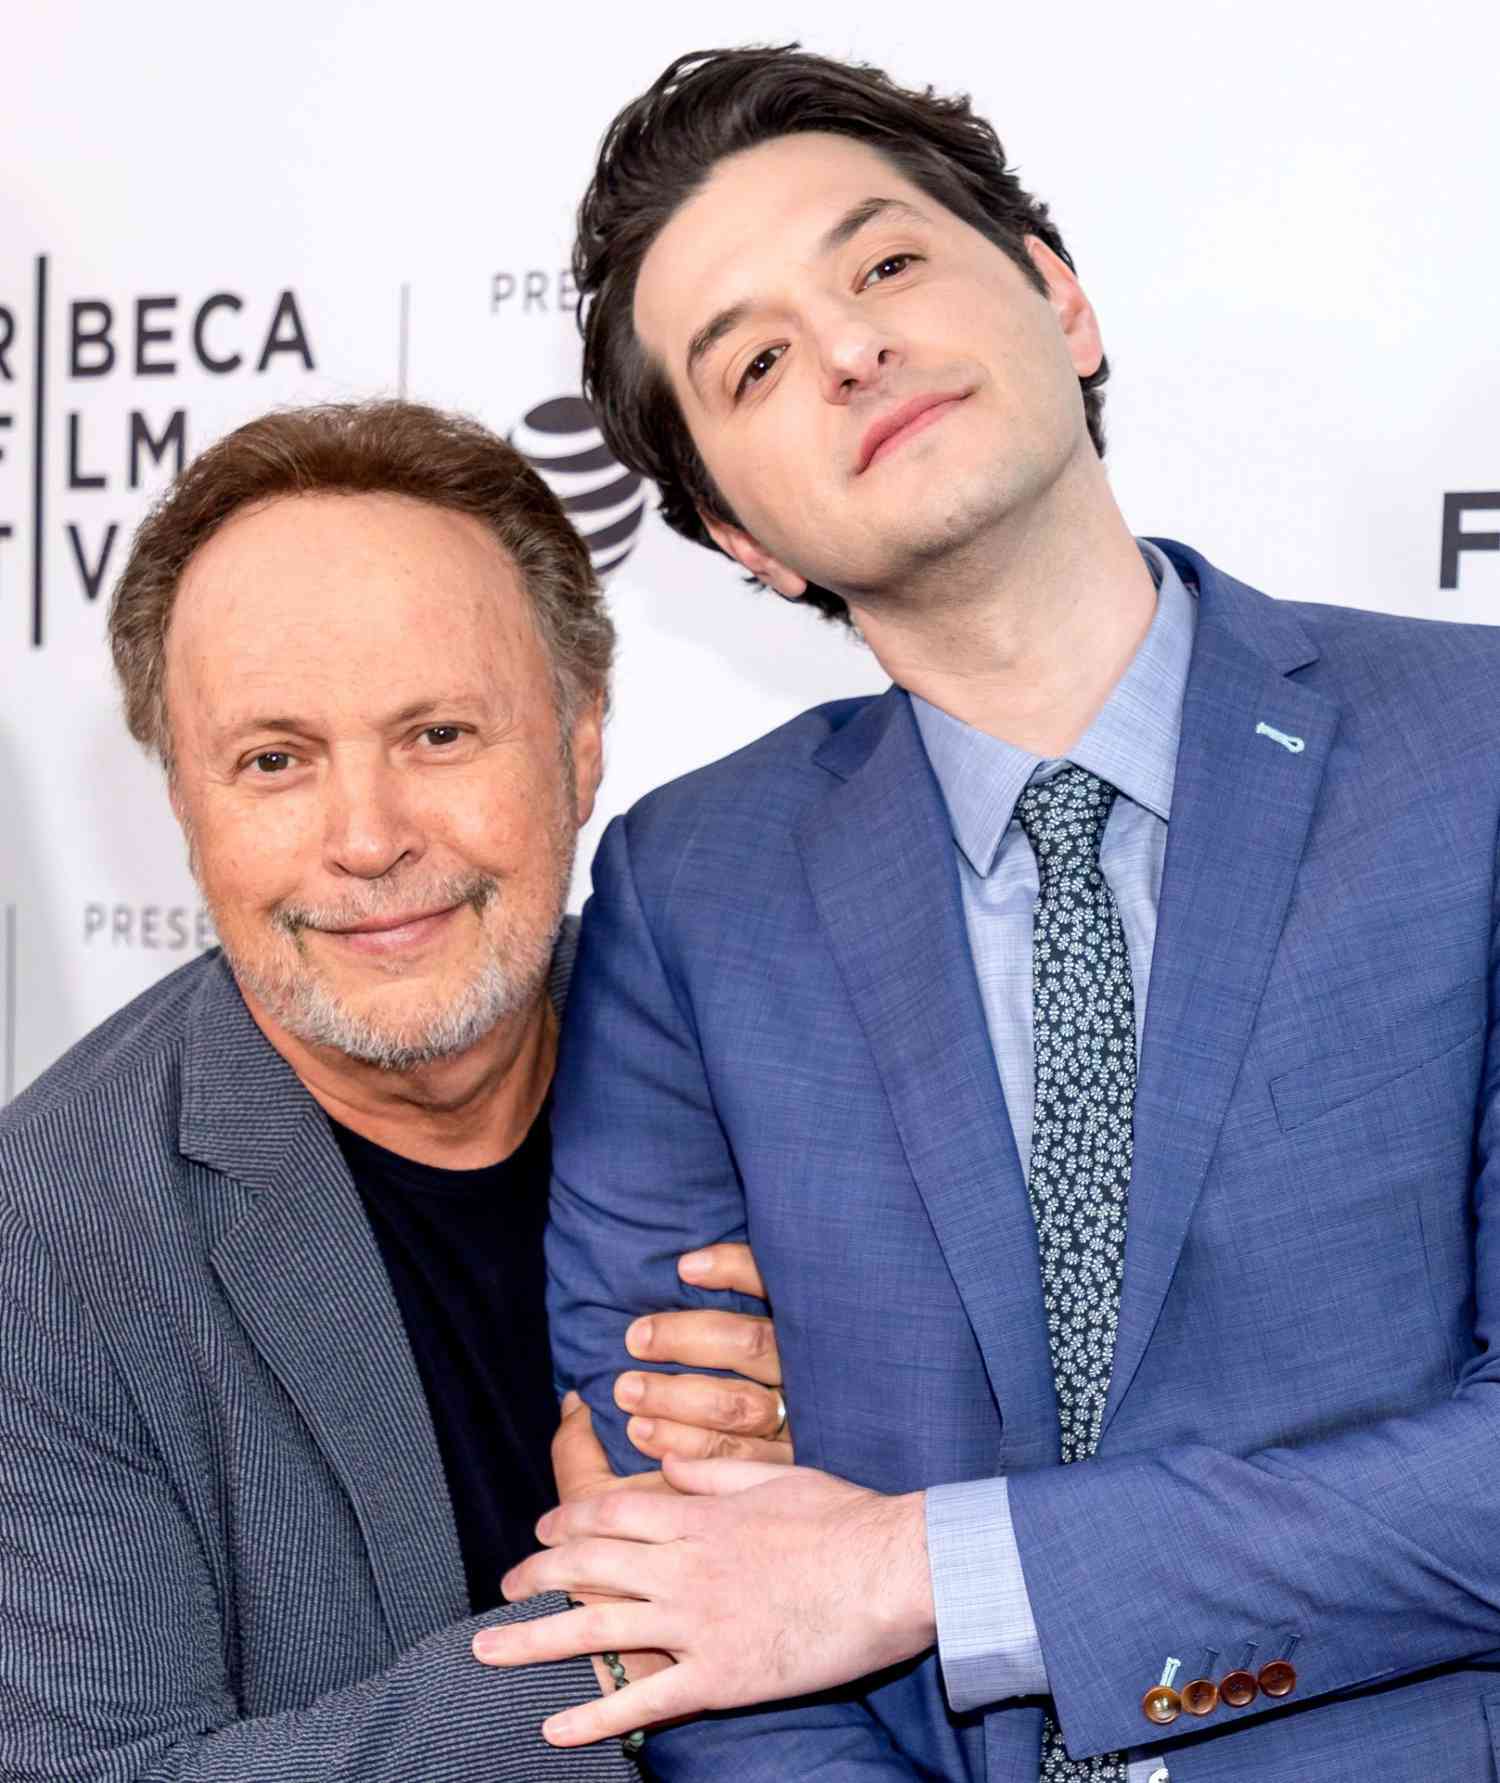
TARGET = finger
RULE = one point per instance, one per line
(738, 1407)
(610, 1627)
(729, 1266)
(716, 1479)
(579, 1463)
(649, 1482)
(625, 1515)
(610, 1568)
(666, 1697)
(660, 1437)
(708, 1338)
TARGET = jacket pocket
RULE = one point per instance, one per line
(1322, 1084)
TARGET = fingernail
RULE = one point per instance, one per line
(544, 1527)
(693, 1265)
(571, 1402)
(630, 1389)
(641, 1430)
(483, 1646)
(555, 1731)
(638, 1337)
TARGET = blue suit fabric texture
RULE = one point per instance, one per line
(776, 1034)
(227, 1553)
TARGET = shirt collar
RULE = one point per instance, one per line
(1132, 743)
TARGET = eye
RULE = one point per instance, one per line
(271, 761)
(758, 368)
(441, 735)
(889, 268)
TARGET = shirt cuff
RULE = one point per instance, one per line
(987, 1636)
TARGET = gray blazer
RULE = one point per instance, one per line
(226, 1545)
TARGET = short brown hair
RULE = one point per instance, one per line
(663, 146)
(361, 448)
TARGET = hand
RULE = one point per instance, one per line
(695, 1415)
(772, 1582)
(582, 1471)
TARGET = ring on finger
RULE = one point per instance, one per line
(781, 1416)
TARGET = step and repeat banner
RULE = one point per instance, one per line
(1285, 215)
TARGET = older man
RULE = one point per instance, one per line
(275, 1393)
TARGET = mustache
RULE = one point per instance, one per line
(379, 899)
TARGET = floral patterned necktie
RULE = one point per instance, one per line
(1083, 1041)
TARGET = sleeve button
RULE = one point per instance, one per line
(1161, 1704)
(1278, 1678)
(1238, 1688)
(1200, 1696)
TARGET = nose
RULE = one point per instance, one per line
(369, 823)
(855, 352)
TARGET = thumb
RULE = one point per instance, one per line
(578, 1459)
(718, 1478)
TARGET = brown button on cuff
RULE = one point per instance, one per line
(1161, 1704)
(1278, 1678)
(1200, 1696)
(1238, 1688)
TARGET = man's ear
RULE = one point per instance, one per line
(184, 817)
(588, 757)
(1075, 314)
(174, 796)
(737, 543)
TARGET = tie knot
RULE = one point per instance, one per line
(1064, 817)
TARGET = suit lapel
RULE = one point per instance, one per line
(1241, 806)
(879, 858)
(306, 1279)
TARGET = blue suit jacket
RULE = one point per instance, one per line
(776, 1033)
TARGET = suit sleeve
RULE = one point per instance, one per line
(114, 1651)
(1378, 1547)
(644, 1171)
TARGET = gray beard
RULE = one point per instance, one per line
(508, 980)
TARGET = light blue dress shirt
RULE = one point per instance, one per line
(987, 1636)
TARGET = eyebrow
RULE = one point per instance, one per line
(248, 727)
(298, 727)
(712, 332)
(836, 236)
(857, 216)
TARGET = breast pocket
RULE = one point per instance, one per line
(1390, 1052)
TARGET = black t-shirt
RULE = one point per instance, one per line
(463, 1249)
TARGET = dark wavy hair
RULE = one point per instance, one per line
(661, 149)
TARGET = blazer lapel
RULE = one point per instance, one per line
(305, 1277)
(1250, 763)
(879, 858)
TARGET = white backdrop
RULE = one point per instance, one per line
(1285, 215)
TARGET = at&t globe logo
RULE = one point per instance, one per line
(561, 439)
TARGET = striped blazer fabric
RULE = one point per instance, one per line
(226, 1546)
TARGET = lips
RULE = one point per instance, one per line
(393, 934)
(910, 416)
(377, 925)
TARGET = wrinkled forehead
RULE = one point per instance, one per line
(353, 587)
(300, 552)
